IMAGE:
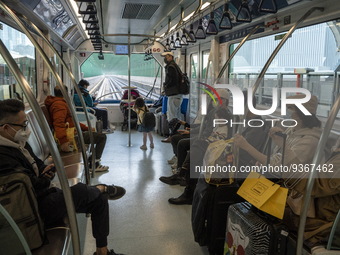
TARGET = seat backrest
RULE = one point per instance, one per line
(37, 139)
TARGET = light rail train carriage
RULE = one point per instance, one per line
(280, 51)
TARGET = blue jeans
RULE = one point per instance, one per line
(174, 107)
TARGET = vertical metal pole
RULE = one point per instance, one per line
(129, 94)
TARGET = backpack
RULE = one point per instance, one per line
(184, 82)
(17, 196)
(149, 120)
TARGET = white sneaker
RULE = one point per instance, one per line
(173, 160)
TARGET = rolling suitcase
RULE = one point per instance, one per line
(222, 197)
(164, 125)
(251, 234)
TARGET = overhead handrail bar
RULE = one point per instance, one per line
(82, 101)
(311, 179)
(12, 65)
(52, 70)
(227, 63)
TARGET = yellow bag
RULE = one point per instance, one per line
(219, 155)
(264, 194)
(69, 135)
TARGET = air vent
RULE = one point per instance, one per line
(139, 11)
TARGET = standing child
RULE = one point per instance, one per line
(140, 108)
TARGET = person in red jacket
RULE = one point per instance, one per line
(60, 114)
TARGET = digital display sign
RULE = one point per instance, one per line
(122, 50)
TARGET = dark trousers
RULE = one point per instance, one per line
(182, 150)
(87, 199)
(102, 115)
(175, 140)
(99, 142)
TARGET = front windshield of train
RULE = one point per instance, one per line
(111, 71)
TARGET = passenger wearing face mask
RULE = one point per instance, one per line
(17, 155)
(171, 88)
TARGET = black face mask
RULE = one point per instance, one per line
(165, 61)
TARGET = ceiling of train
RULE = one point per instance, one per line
(107, 18)
(151, 16)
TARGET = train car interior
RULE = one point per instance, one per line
(102, 56)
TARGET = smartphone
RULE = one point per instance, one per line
(52, 169)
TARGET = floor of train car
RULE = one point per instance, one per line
(142, 222)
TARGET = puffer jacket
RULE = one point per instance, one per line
(60, 115)
(171, 84)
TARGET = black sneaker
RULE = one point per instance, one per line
(171, 180)
(114, 192)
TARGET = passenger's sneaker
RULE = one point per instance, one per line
(114, 192)
(110, 252)
(101, 168)
(143, 147)
(108, 131)
(173, 180)
(174, 166)
(173, 160)
(152, 145)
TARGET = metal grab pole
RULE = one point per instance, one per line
(316, 161)
(129, 92)
(236, 50)
(50, 141)
(52, 70)
(82, 101)
(278, 48)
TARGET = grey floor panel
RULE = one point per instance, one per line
(143, 222)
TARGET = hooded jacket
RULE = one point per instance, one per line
(60, 114)
(171, 84)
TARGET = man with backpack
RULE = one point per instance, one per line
(172, 87)
(17, 156)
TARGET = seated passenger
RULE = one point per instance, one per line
(301, 140)
(16, 154)
(101, 114)
(326, 198)
(192, 130)
(60, 114)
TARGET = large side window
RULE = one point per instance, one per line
(22, 50)
(309, 59)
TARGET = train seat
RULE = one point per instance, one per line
(58, 242)
(72, 161)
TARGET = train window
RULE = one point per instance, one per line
(309, 59)
(194, 93)
(205, 62)
(22, 50)
(115, 69)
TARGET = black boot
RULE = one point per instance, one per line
(184, 199)
(173, 179)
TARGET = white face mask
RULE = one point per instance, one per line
(21, 136)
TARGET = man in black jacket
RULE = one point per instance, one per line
(171, 87)
(16, 154)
